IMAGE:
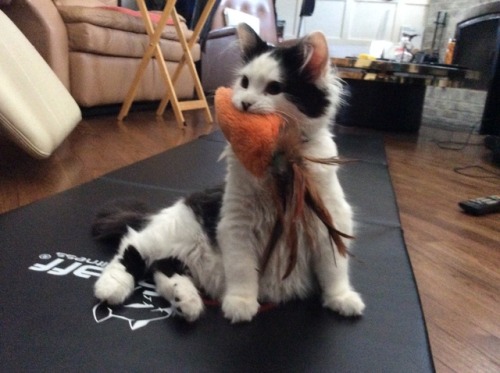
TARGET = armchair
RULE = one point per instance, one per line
(221, 54)
(94, 48)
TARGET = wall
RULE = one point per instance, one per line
(451, 107)
(356, 22)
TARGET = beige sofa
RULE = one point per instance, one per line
(95, 50)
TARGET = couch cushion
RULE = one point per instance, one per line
(85, 2)
(105, 17)
(86, 37)
(91, 74)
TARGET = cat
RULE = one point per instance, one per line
(213, 241)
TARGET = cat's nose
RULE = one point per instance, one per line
(245, 105)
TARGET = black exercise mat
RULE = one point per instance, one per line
(51, 322)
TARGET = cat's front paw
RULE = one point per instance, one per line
(182, 294)
(347, 303)
(238, 308)
(187, 300)
(114, 286)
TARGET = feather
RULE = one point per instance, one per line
(330, 161)
(296, 197)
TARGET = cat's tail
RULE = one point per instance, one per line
(113, 220)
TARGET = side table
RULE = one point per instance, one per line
(389, 95)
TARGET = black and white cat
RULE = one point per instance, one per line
(213, 241)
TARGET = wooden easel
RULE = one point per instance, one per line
(154, 50)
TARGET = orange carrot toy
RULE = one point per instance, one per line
(253, 137)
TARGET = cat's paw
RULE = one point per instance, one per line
(347, 303)
(186, 299)
(239, 309)
(182, 294)
(114, 286)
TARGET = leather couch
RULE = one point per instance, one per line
(95, 50)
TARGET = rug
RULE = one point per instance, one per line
(52, 322)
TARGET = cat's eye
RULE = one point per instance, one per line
(274, 88)
(244, 81)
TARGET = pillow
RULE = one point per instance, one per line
(36, 110)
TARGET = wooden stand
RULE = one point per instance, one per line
(155, 51)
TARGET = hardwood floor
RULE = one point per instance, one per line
(455, 257)
(97, 146)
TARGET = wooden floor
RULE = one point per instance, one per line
(456, 258)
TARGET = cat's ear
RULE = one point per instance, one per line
(317, 56)
(251, 44)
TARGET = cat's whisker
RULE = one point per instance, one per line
(289, 118)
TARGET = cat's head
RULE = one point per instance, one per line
(293, 80)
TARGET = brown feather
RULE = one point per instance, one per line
(276, 233)
(292, 244)
(296, 197)
(330, 161)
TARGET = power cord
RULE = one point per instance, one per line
(487, 174)
(460, 145)
(474, 171)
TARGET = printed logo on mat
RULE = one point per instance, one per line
(143, 307)
(79, 266)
